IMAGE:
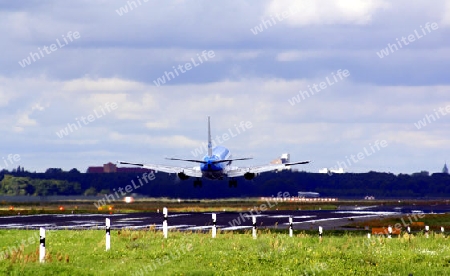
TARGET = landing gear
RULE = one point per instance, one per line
(198, 183)
(232, 183)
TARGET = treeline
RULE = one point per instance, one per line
(380, 185)
(15, 186)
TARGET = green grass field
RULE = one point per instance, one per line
(145, 252)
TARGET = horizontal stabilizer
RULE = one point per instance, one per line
(229, 160)
(297, 163)
(212, 162)
(188, 160)
(127, 163)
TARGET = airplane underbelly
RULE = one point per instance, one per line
(213, 175)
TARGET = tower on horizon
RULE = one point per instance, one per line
(445, 169)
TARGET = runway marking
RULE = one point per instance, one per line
(258, 216)
(200, 227)
(159, 226)
(86, 215)
(304, 217)
(368, 212)
(133, 219)
(280, 216)
(178, 215)
(236, 227)
(329, 219)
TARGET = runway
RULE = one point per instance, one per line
(228, 221)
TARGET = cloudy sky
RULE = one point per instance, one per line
(359, 84)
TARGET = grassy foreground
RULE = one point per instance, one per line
(145, 252)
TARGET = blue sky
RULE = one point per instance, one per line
(265, 53)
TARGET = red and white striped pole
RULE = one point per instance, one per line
(108, 234)
(254, 227)
(42, 244)
(214, 227)
(291, 229)
(165, 227)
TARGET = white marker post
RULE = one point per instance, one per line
(427, 228)
(368, 235)
(389, 232)
(214, 228)
(108, 234)
(408, 229)
(165, 230)
(42, 244)
(320, 233)
(291, 229)
(442, 231)
(254, 226)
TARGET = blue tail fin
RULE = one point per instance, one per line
(209, 139)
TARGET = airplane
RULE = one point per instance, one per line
(216, 165)
(308, 194)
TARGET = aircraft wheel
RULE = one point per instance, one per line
(232, 183)
(197, 183)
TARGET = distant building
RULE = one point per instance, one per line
(276, 161)
(445, 169)
(326, 170)
(94, 170)
(421, 173)
(109, 168)
(112, 168)
(285, 158)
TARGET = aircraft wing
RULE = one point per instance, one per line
(240, 171)
(192, 172)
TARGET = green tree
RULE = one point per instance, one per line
(11, 185)
(90, 192)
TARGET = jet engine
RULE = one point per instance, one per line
(182, 176)
(249, 176)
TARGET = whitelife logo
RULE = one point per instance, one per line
(405, 41)
(184, 67)
(86, 120)
(47, 50)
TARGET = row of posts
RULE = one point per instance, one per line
(214, 232)
(408, 230)
(291, 228)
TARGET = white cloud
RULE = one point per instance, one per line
(317, 12)
(23, 120)
(88, 84)
(416, 140)
(295, 55)
(338, 121)
(5, 97)
(446, 17)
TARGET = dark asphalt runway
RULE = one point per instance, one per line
(225, 220)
